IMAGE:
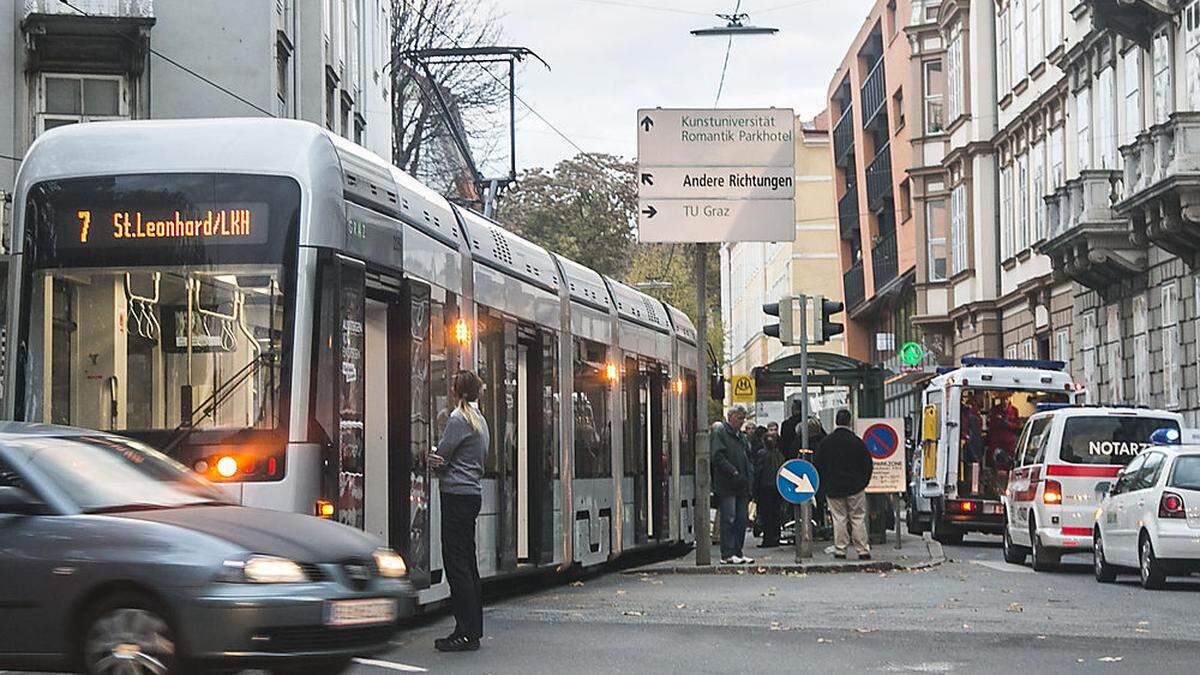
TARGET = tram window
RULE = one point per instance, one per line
(550, 399)
(120, 353)
(443, 360)
(635, 395)
(593, 431)
(498, 370)
(687, 431)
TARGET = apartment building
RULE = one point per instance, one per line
(1124, 226)
(754, 273)
(877, 96)
(93, 60)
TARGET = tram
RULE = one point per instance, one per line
(282, 310)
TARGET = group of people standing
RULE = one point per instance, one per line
(745, 460)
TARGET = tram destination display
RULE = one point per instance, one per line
(209, 224)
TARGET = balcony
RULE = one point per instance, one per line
(884, 264)
(1162, 186)
(843, 138)
(854, 286)
(874, 97)
(1089, 241)
(107, 36)
(848, 214)
(1132, 19)
(879, 179)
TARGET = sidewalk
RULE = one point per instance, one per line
(916, 553)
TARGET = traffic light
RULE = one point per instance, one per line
(784, 330)
(827, 328)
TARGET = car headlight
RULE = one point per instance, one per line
(390, 563)
(267, 569)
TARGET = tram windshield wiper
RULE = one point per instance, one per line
(220, 393)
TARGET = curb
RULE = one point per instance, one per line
(937, 556)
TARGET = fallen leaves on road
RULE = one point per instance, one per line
(681, 605)
(824, 641)
(1041, 637)
(576, 584)
(620, 591)
(1015, 607)
(634, 612)
(966, 626)
(864, 630)
(1110, 659)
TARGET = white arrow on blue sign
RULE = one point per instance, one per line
(797, 481)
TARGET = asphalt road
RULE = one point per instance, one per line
(973, 614)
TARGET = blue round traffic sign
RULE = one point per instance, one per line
(797, 481)
(881, 440)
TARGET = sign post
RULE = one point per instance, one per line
(884, 440)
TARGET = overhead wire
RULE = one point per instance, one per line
(725, 66)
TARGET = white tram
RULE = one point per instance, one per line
(282, 310)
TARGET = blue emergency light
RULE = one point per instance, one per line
(1165, 436)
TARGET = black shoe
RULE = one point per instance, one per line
(457, 644)
(839, 556)
(442, 642)
(865, 556)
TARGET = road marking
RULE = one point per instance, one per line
(392, 665)
(1002, 566)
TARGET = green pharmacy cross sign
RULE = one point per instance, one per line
(912, 353)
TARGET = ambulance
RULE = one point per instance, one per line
(971, 421)
(1067, 460)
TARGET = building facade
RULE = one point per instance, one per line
(93, 60)
(754, 273)
(1125, 224)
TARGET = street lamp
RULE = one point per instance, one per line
(735, 26)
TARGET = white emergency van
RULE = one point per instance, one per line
(1067, 459)
(966, 442)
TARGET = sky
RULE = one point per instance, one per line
(610, 57)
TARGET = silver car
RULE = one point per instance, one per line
(116, 559)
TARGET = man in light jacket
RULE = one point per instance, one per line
(732, 483)
(845, 466)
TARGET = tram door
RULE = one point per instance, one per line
(533, 482)
(658, 458)
(375, 414)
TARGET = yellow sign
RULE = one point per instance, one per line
(743, 389)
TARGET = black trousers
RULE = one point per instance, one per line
(770, 507)
(459, 513)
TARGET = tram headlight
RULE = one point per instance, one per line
(390, 563)
(264, 569)
(462, 332)
(611, 372)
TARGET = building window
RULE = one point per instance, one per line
(1020, 61)
(1087, 351)
(1062, 346)
(935, 94)
(954, 77)
(1037, 47)
(1141, 350)
(1054, 24)
(346, 129)
(1038, 152)
(1191, 36)
(1006, 214)
(330, 104)
(1022, 193)
(70, 99)
(958, 227)
(360, 127)
(1164, 103)
(1027, 348)
(1003, 53)
(935, 234)
(1172, 377)
(898, 108)
(1106, 119)
(1010, 352)
(1131, 93)
(283, 57)
(1057, 171)
(1083, 127)
(1116, 369)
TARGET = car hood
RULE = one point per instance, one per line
(289, 535)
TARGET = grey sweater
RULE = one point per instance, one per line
(463, 448)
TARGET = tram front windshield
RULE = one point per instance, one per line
(158, 302)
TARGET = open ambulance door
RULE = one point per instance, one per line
(935, 442)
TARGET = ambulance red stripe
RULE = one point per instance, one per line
(1084, 471)
(1076, 531)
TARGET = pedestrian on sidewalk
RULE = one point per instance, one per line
(458, 461)
(733, 485)
(758, 455)
(789, 432)
(844, 466)
(770, 504)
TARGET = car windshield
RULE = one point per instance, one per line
(1186, 474)
(104, 474)
(1109, 439)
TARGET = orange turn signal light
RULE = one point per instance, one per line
(324, 508)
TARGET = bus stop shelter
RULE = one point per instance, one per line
(864, 381)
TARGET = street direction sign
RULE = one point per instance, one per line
(797, 481)
(716, 175)
(885, 442)
(715, 182)
(716, 137)
(716, 220)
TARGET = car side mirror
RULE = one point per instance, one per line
(16, 501)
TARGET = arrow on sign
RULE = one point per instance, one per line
(650, 211)
(647, 179)
(802, 483)
(647, 123)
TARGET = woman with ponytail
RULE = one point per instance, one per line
(458, 461)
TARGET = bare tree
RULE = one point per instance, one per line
(422, 141)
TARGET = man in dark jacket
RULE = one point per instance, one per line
(845, 467)
(732, 483)
(789, 432)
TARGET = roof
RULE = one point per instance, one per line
(1094, 411)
